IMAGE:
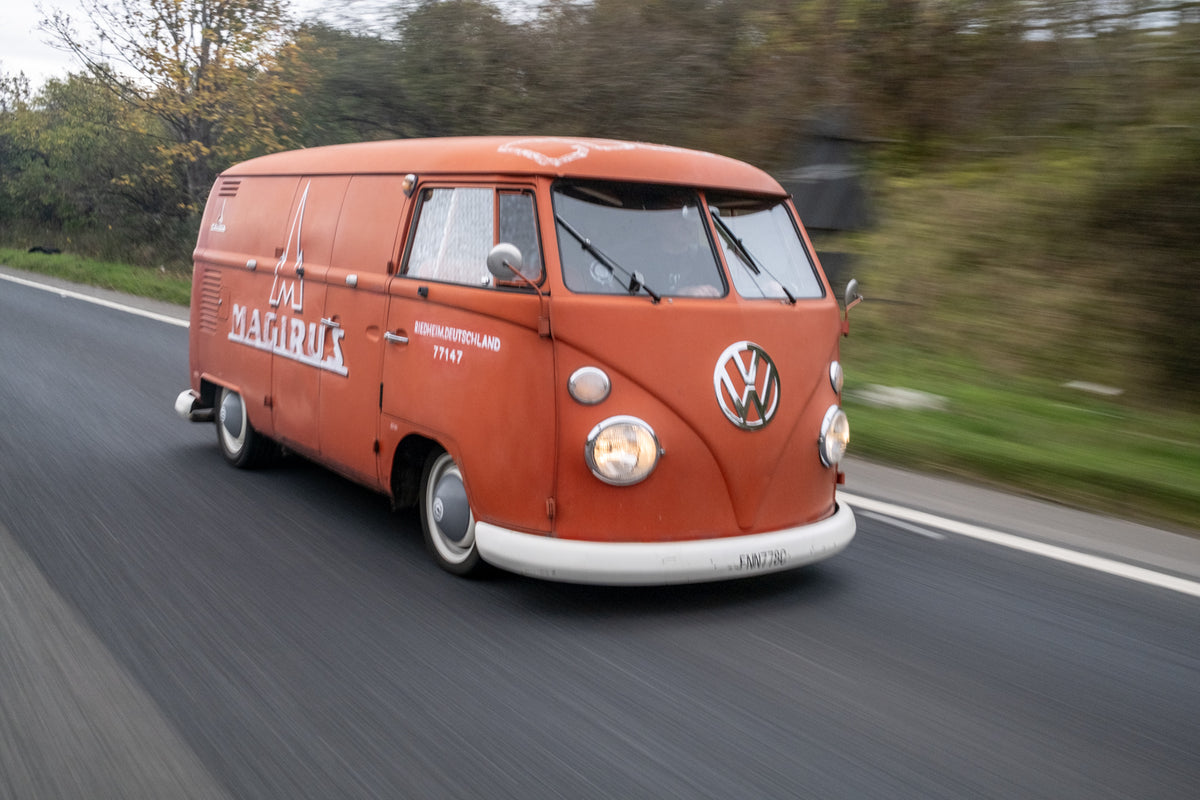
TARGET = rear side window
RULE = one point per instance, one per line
(458, 226)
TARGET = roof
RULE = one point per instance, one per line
(602, 159)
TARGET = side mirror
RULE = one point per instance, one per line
(852, 298)
(852, 295)
(505, 262)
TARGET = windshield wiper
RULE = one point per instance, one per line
(635, 282)
(746, 256)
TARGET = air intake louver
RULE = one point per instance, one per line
(210, 300)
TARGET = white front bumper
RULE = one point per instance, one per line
(648, 563)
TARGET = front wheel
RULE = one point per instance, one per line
(242, 446)
(446, 517)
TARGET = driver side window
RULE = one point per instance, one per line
(456, 228)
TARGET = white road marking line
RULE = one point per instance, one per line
(904, 526)
(182, 323)
(1097, 563)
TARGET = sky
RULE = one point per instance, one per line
(23, 47)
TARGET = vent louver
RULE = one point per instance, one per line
(210, 300)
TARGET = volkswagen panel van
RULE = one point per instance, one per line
(583, 360)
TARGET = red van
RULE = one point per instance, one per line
(583, 360)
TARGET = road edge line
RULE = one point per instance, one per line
(100, 301)
(1013, 542)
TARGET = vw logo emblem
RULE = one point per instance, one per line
(747, 385)
(439, 509)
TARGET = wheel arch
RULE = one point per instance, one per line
(209, 389)
(408, 462)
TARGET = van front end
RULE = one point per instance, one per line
(699, 393)
(708, 457)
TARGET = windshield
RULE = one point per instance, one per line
(623, 238)
(762, 246)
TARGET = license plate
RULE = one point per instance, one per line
(776, 558)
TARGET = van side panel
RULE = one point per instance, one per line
(304, 347)
(474, 370)
(356, 301)
(244, 220)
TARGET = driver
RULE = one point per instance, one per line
(687, 262)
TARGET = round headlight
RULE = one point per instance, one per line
(621, 450)
(589, 385)
(835, 377)
(835, 436)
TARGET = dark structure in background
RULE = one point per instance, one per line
(829, 191)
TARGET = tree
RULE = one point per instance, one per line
(359, 91)
(442, 68)
(219, 75)
(461, 63)
(72, 162)
(14, 92)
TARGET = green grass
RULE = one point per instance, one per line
(1035, 436)
(158, 284)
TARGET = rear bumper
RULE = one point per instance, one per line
(187, 405)
(649, 563)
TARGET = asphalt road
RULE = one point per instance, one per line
(171, 627)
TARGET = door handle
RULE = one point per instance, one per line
(395, 337)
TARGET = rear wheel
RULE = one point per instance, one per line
(242, 446)
(446, 517)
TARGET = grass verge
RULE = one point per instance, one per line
(158, 284)
(1038, 437)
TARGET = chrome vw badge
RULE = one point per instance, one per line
(747, 385)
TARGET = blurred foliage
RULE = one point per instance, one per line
(1035, 163)
(83, 164)
(1067, 263)
(1146, 219)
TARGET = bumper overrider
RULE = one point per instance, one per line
(651, 563)
(188, 406)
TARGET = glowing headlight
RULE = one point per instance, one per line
(621, 450)
(835, 436)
